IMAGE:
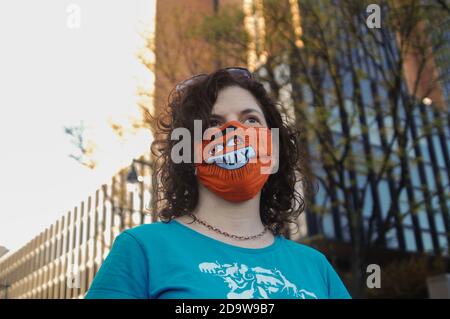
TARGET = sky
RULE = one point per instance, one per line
(63, 62)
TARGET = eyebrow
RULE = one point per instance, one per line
(243, 112)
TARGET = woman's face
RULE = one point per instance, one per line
(233, 104)
(236, 103)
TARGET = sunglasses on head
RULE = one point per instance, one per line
(235, 71)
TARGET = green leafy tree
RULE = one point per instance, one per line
(321, 70)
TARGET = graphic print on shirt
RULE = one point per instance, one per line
(255, 282)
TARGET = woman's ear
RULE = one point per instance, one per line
(271, 162)
(275, 162)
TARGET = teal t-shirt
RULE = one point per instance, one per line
(171, 260)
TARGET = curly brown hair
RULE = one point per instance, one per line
(176, 193)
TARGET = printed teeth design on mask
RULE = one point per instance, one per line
(233, 160)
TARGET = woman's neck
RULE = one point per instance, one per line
(242, 219)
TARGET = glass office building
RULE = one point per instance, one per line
(420, 210)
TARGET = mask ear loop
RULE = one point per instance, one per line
(195, 170)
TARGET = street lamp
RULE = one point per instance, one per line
(133, 183)
(133, 177)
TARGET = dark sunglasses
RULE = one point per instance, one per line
(235, 71)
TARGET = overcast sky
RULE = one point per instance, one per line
(51, 76)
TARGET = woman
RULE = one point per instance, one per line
(222, 232)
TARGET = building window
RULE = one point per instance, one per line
(391, 238)
(345, 226)
(414, 173)
(427, 242)
(366, 92)
(423, 220)
(443, 173)
(388, 126)
(424, 150)
(385, 197)
(437, 213)
(409, 239)
(421, 214)
(443, 245)
(368, 203)
(439, 151)
(334, 121)
(404, 208)
(430, 178)
(328, 225)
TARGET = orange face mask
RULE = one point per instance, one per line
(235, 160)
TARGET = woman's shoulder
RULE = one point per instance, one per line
(148, 230)
(304, 249)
